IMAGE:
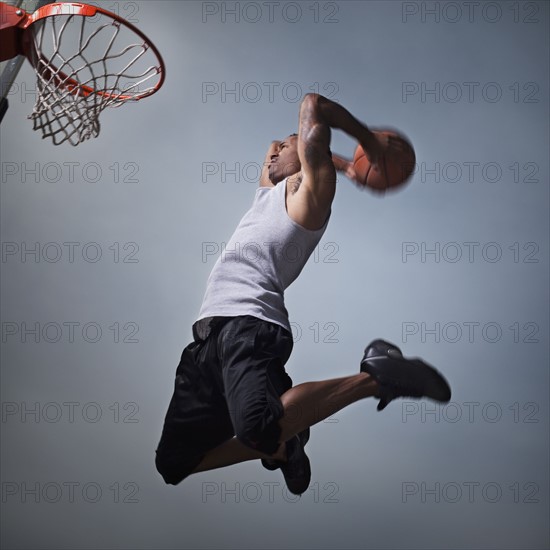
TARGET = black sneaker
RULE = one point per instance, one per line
(296, 470)
(270, 464)
(398, 376)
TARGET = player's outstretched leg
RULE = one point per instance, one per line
(390, 375)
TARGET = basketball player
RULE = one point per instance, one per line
(233, 400)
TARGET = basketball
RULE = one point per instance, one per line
(392, 170)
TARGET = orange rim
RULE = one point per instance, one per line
(87, 10)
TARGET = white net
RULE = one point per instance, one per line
(84, 65)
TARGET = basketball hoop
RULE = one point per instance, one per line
(86, 59)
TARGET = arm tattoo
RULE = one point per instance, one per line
(295, 185)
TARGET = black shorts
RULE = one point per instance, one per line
(226, 385)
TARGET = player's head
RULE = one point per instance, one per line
(285, 161)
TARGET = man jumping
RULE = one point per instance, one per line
(233, 400)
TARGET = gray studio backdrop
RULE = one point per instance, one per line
(106, 249)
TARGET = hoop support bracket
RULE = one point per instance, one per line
(12, 19)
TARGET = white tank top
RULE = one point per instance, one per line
(265, 254)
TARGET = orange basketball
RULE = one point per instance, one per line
(392, 170)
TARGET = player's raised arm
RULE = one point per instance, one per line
(336, 116)
(311, 202)
(317, 167)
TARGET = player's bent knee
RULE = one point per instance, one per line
(167, 472)
(261, 437)
(173, 467)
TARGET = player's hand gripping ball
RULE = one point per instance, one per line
(392, 165)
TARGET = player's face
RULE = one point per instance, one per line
(284, 161)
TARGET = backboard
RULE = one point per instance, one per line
(10, 68)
